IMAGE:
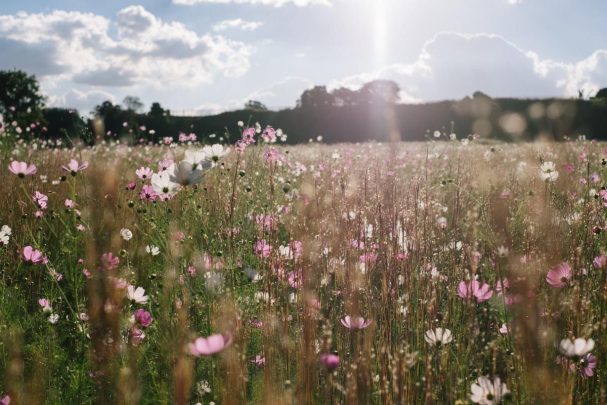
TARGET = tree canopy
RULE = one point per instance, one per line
(20, 99)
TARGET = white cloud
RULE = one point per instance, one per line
(282, 93)
(237, 23)
(81, 100)
(277, 95)
(589, 75)
(207, 109)
(453, 65)
(275, 3)
(136, 49)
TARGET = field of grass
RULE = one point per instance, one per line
(431, 273)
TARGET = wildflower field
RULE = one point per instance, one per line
(253, 272)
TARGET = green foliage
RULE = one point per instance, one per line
(20, 99)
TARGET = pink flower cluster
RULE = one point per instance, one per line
(34, 256)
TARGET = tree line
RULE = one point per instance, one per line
(372, 112)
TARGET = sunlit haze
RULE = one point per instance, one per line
(206, 56)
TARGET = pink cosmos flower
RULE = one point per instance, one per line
(559, 275)
(269, 135)
(505, 194)
(256, 323)
(164, 164)
(600, 262)
(262, 248)
(109, 261)
(45, 304)
(357, 244)
(330, 360)
(584, 366)
(474, 289)
(355, 323)
(294, 279)
(569, 168)
(74, 167)
(32, 255)
(5, 400)
(265, 222)
(272, 155)
(259, 361)
(210, 345)
(178, 236)
(69, 204)
(40, 199)
(147, 193)
(143, 317)
(502, 285)
(22, 169)
(368, 257)
(137, 336)
(248, 136)
(144, 173)
(240, 146)
(587, 365)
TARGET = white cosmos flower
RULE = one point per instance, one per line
(261, 296)
(577, 348)
(126, 234)
(185, 173)
(163, 185)
(153, 250)
(5, 234)
(53, 318)
(214, 152)
(548, 172)
(199, 158)
(136, 294)
(438, 336)
(487, 392)
(285, 251)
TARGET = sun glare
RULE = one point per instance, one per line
(379, 11)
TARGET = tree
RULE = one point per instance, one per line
(20, 98)
(380, 92)
(156, 111)
(345, 97)
(64, 123)
(133, 104)
(158, 120)
(602, 93)
(316, 97)
(255, 106)
(112, 117)
(480, 94)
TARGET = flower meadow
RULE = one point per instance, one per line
(185, 272)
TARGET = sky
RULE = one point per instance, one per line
(208, 56)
